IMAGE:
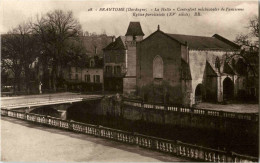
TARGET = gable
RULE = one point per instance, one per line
(159, 34)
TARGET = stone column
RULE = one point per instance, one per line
(219, 89)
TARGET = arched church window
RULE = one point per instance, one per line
(158, 67)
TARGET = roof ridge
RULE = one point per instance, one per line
(189, 35)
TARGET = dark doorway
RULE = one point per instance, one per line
(46, 110)
(228, 89)
(198, 93)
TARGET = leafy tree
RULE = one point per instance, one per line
(55, 31)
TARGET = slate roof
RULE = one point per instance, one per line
(118, 44)
(134, 29)
(204, 43)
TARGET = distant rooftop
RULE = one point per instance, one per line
(118, 44)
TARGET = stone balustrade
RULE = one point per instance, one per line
(187, 110)
(176, 148)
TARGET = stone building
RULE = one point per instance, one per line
(185, 69)
(120, 61)
(88, 74)
(87, 78)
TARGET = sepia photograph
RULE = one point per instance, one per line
(129, 81)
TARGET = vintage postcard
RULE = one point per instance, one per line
(129, 81)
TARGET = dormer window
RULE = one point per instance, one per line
(92, 63)
(134, 38)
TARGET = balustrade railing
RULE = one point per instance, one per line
(177, 148)
(47, 102)
(187, 110)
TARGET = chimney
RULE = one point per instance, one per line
(113, 38)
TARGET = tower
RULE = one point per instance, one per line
(134, 34)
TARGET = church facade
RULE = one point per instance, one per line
(184, 69)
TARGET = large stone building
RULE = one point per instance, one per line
(184, 69)
(88, 74)
(120, 60)
(86, 78)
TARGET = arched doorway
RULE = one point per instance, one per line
(228, 89)
(198, 93)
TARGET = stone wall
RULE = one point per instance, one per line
(129, 81)
(214, 86)
(158, 44)
(116, 107)
(209, 126)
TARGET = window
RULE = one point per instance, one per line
(97, 78)
(217, 63)
(77, 77)
(88, 78)
(76, 69)
(109, 69)
(118, 70)
(92, 63)
(116, 59)
(158, 67)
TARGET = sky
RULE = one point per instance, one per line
(227, 24)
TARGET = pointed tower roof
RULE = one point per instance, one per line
(134, 29)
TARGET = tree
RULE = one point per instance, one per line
(55, 30)
(250, 38)
(19, 51)
(249, 44)
(29, 50)
(11, 58)
(254, 26)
